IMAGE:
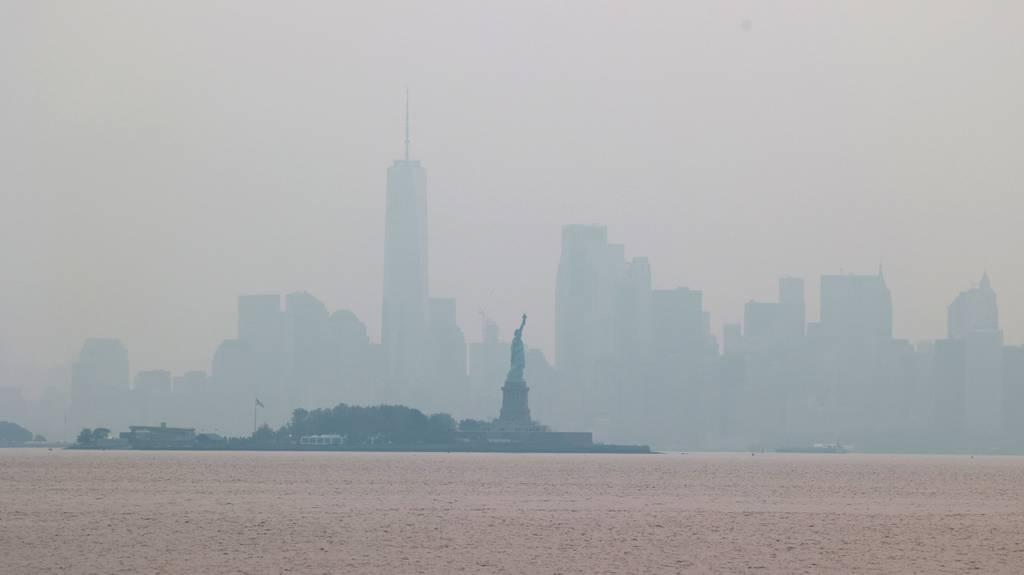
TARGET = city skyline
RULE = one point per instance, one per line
(547, 342)
(640, 364)
(586, 286)
(632, 361)
(146, 220)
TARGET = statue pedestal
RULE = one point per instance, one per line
(515, 407)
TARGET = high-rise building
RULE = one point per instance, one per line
(100, 382)
(232, 368)
(151, 396)
(262, 332)
(191, 383)
(261, 323)
(1013, 395)
(592, 297)
(234, 387)
(153, 381)
(949, 381)
(851, 354)
(732, 340)
(633, 312)
(856, 307)
(351, 354)
(445, 360)
(488, 362)
(584, 297)
(974, 319)
(973, 310)
(792, 310)
(404, 314)
(682, 349)
(761, 323)
(309, 350)
(679, 322)
(776, 324)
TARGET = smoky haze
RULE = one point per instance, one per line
(162, 159)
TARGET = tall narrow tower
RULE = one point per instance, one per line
(403, 326)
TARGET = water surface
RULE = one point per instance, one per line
(263, 512)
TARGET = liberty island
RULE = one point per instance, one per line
(396, 428)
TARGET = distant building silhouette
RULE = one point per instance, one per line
(632, 363)
(973, 310)
(585, 289)
(973, 318)
(100, 382)
(191, 383)
(856, 306)
(262, 330)
(678, 392)
(445, 360)
(1013, 396)
(151, 396)
(792, 309)
(589, 272)
(488, 362)
(153, 381)
(233, 366)
(261, 324)
(309, 378)
(949, 389)
(404, 314)
(354, 363)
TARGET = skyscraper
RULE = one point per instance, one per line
(261, 342)
(404, 312)
(100, 381)
(584, 298)
(308, 344)
(444, 359)
(974, 320)
(589, 272)
(261, 324)
(856, 307)
(488, 361)
(781, 324)
(974, 310)
(792, 310)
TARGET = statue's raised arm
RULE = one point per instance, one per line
(522, 325)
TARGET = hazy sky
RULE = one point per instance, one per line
(158, 159)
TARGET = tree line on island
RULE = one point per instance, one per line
(374, 425)
(14, 434)
(380, 425)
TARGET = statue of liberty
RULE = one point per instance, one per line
(515, 373)
(515, 402)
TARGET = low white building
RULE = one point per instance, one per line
(329, 439)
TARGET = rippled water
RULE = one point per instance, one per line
(207, 512)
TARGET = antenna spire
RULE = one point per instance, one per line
(407, 124)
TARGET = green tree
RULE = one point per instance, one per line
(474, 425)
(13, 433)
(263, 435)
(395, 424)
(85, 437)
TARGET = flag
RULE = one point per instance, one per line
(259, 403)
